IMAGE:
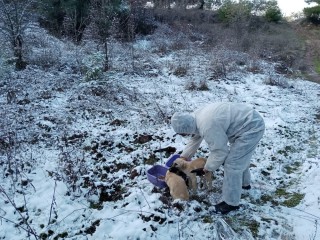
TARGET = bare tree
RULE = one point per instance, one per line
(14, 20)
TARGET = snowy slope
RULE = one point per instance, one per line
(78, 160)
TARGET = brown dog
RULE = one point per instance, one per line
(188, 166)
(177, 185)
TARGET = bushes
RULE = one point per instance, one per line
(312, 14)
(273, 14)
(93, 66)
(231, 11)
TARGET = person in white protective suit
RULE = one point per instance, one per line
(232, 132)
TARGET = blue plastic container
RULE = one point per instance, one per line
(171, 159)
(156, 175)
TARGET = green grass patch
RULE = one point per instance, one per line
(291, 199)
(292, 167)
(207, 219)
(97, 206)
(240, 223)
(253, 225)
(317, 65)
(281, 192)
(266, 198)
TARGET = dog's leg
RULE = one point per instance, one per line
(194, 185)
(208, 180)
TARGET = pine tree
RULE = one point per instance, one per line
(312, 14)
(65, 17)
(106, 16)
(312, 1)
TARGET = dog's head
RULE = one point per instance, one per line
(180, 173)
(177, 171)
(180, 163)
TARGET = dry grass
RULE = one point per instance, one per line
(310, 34)
(277, 42)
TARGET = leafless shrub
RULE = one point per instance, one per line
(15, 166)
(72, 165)
(191, 86)
(11, 96)
(277, 80)
(282, 68)
(23, 213)
(197, 86)
(217, 71)
(44, 51)
(179, 44)
(203, 86)
(254, 67)
(45, 58)
(171, 38)
(180, 71)
(194, 16)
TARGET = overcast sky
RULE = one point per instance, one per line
(290, 6)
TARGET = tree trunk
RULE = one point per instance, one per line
(17, 45)
(106, 59)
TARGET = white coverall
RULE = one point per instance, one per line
(219, 124)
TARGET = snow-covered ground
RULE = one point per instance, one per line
(74, 153)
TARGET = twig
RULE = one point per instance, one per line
(71, 213)
(310, 214)
(53, 201)
(29, 228)
(15, 224)
(316, 230)
(161, 113)
(144, 197)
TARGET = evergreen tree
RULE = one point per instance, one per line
(273, 12)
(106, 14)
(77, 17)
(312, 14)
(52, 16)
(65, 17)
(312, 1)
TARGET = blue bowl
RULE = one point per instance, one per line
(156, 175)
(171, 160)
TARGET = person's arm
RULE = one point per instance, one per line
(218, 145)
(192, 147)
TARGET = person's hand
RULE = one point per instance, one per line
(184, 158)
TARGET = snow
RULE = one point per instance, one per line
(63, 134)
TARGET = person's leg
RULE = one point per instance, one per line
(246, 178)
(236, 167)
(233, 179)
(232, 184)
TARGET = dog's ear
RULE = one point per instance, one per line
(177, 161)
(181, 163)
(173, 169)
(198, 171)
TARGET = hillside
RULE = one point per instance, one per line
(76, 142)
(310, 35)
